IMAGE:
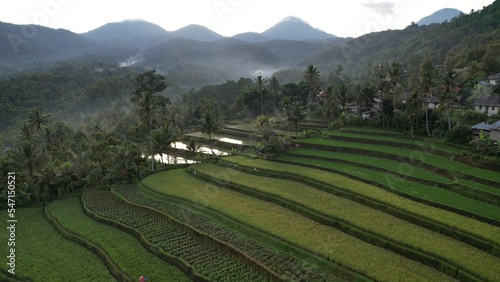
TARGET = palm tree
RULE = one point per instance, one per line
(275, 87)
(209, 123)
(26, 133)
(37, 118)
(426, 83)
(395, 75)
(330, 105)
(145, 110)
(366, 95)
(297, 115)
(29, 156)
(192, 146)
(147, 84)
(286, 104)
(342, 92)
(163, 137)
(260, 86)
(448, 95)
(410, 112)
(473, 72)
(382, 87)
(312, 78)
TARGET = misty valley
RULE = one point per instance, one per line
(131, 152)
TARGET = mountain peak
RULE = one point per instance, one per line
(440, 16)
(198, 32)
(294, 19)
(124, 29)
(294, 28)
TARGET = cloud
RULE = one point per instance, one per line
(380, 7)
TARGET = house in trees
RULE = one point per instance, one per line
(494, 78)
(488, 105)
(493, 130)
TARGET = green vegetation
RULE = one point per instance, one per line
(413, 189)
(416, 156)
(374, 163)
(202, 256)
(355, 199)
(124, 249)
(363, 134)
(361, 189)
(276, 221)
(277, 255)
(42, 254)
(299, 195)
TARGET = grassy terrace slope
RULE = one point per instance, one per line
(277, 221)
(44, 255)
(410, 155)
(200, 256)
(414, 174)
(363, 190)
(123, 248)
(371, 135)
(419, 191)
(286, 260)
(375, 222)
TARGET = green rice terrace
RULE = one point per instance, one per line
(359, 204)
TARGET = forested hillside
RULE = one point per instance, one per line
(467, 38)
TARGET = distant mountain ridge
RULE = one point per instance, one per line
(293, 28)
(290, 28)
(440, 16)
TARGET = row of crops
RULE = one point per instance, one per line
(360, 204)
(402, 200)
(288, 267)
(44, 255)
(207, 258)
(125, 250)
(286, 225)
(371, 224)
(468, 197)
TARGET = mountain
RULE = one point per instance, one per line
(454, 44)
(196, 32)
(292, 28)
(129, 33)
(125, 29)
(235, 59)
(440, 16)
(251, 37)
(25, 45)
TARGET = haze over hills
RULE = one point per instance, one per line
(288, 44)
(440, 16)
(137, 42)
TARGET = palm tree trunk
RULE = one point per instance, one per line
(274, 101)
(427, 120)
(151, 142)
(448, 115)
(261, 104)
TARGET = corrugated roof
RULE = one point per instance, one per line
(489, 101)
(487, 127)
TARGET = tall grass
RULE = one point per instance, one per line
(328, 242)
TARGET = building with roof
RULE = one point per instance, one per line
(488, 105)
(493, 130)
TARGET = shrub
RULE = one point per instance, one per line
(460, 134)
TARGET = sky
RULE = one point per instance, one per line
(347, 18)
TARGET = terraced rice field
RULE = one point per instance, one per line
(42, 254)
(282, 223)
(125, 250)
(361, 204)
